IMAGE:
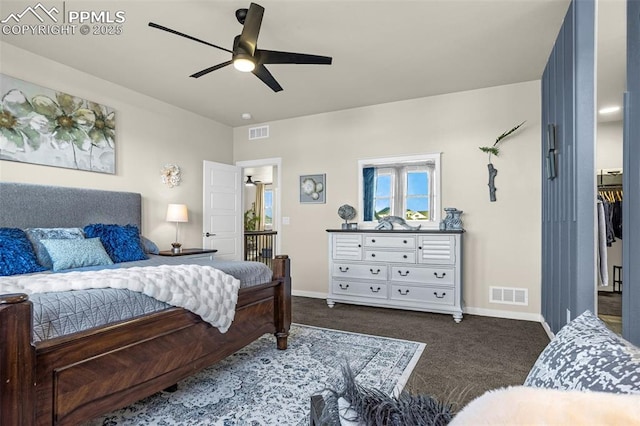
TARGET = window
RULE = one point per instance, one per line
(268, 208)
(407, 187)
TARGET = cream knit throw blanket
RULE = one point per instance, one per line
(203, 290)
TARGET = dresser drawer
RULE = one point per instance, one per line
(354, 288)
(390, 241)
(439, 276)
(434, 295)
(390, 256)
(350, 270)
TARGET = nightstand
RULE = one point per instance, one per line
(193, 253)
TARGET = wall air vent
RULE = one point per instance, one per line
(261, 132)
(509, 295)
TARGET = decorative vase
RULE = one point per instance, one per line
(452, 221)
(492, 179)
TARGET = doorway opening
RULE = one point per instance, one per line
(261, 209)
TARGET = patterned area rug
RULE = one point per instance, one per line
(260, 385)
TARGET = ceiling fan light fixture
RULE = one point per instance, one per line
(243, 62)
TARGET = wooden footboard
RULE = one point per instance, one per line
(74, 378)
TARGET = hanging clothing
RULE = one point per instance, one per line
(616, 219)
(608, 217)
(602, 243)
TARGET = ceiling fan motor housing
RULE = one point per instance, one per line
(241, 15)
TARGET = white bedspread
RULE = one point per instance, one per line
(203, 290)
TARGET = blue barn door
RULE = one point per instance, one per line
(631, 182)
(568, 176)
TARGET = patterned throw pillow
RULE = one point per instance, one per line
(122, 242)
(16, 253)
(586, 355)
(36, 235)
(70, 253)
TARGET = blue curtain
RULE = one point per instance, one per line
(368, 174)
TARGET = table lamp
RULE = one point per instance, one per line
(177, 213)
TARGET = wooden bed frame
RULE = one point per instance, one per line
(74, 378)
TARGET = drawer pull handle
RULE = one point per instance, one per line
(343, 269)
(346, 286)
(373, 241)
(435, 293)
(405, 274)
(374, 273)
(404, 256)
(419, 247)
(376, 290)
(405, 293)
(440, 277)
(359, 245)
(404, 241)
(373, 255)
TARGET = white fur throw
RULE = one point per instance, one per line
(203, 290)
(522, 405)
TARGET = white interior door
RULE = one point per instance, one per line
(222, 211)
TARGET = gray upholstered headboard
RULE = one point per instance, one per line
(28, 206)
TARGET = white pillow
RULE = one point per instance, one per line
(523, 405)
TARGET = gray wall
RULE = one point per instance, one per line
(568, 201)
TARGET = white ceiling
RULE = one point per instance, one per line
(383, 51)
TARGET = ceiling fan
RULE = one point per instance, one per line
(245, 56)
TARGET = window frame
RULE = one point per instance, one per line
(405, 163)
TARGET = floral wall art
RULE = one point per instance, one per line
(43, 126)
(312, 188)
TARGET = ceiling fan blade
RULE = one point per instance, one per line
(210, 69)
(169, 30)
(263, 74)
(275, 57)
(249, 36)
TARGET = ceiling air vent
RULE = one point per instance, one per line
(261, 132)
(508, 295)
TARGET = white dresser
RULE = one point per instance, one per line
(417, 270)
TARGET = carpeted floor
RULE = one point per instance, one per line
(461, 361)
(610, 310)
(610, 303)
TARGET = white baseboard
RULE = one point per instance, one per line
(525, 316)
(312, 294)
(546, 327)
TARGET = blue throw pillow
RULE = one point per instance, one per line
(16, 253)
(149, 246)
(73, 253)
(122, 242)
(36, 235)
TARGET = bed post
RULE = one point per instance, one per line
(282, 271)
(17, 361)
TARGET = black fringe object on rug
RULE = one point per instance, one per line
(374, 407)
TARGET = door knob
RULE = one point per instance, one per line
(207, 234)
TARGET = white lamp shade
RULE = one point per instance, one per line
(177, 213)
